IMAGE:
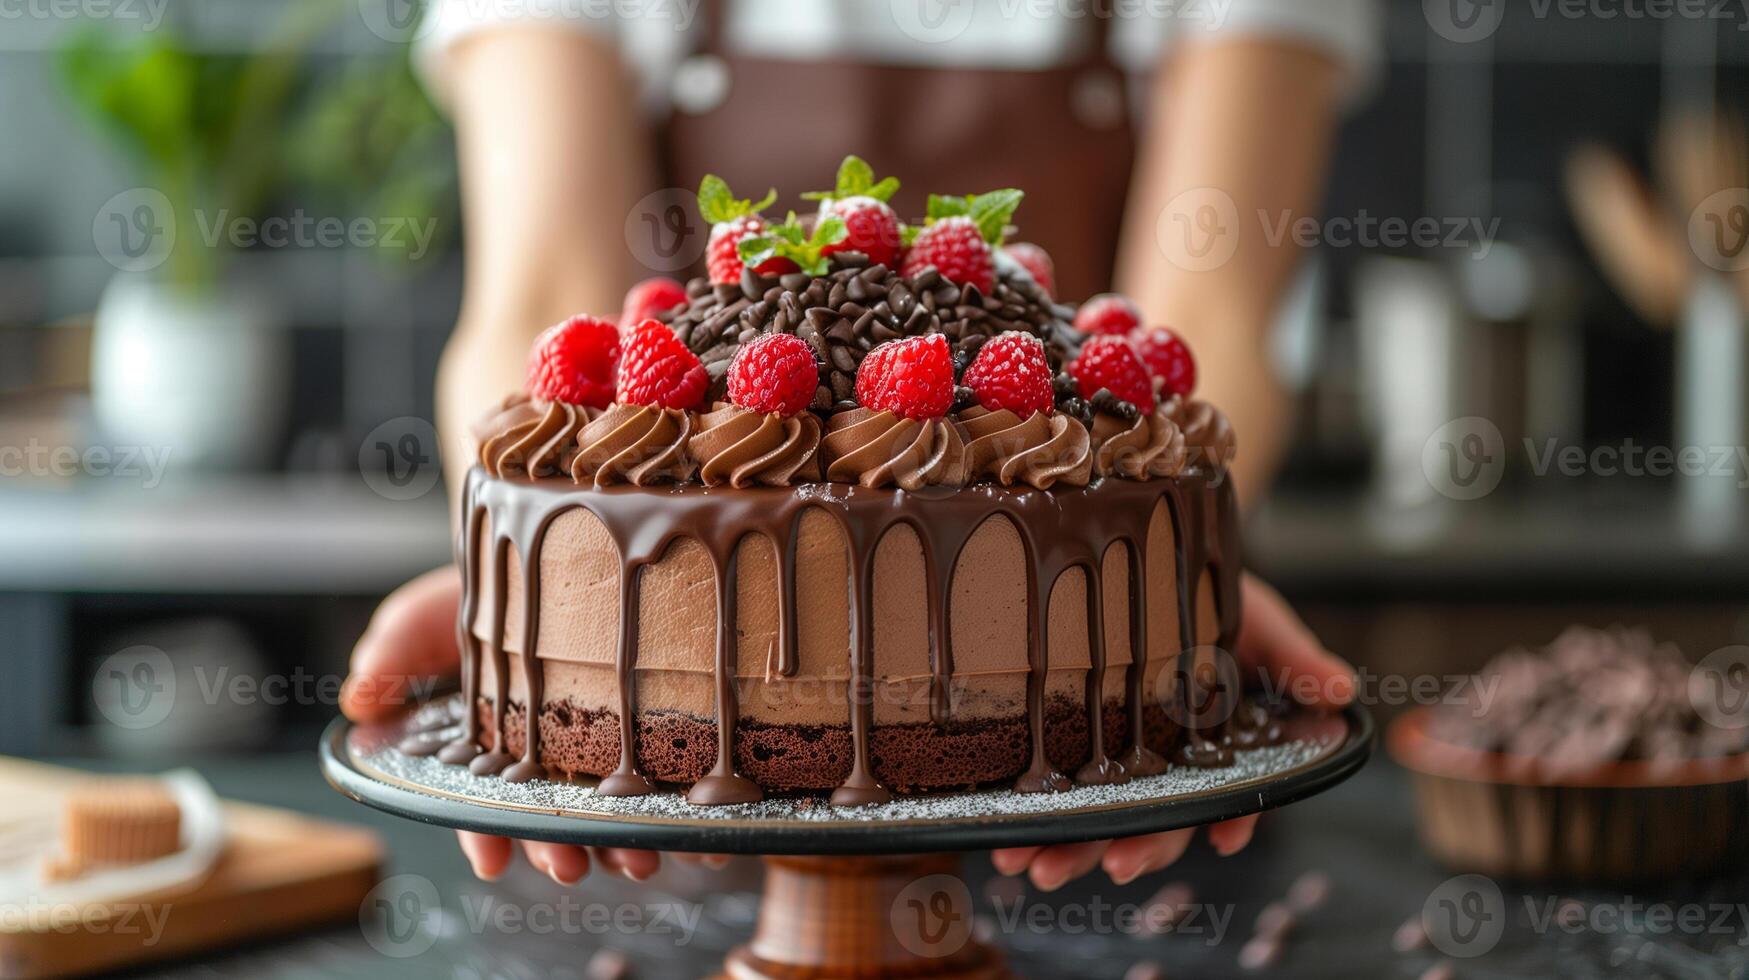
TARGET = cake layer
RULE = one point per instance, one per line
(878, 636)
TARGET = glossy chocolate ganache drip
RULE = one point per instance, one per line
(1062, 529)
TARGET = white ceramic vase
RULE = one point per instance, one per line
(204, 375)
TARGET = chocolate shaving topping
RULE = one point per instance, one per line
(1590, 698)
(857, 306)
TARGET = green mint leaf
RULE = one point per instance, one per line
(714, 199)
(830, 231)
(757, 249)
(990, 212)
(855, 176)
(884, 190)
(717, 204)
(946, 206)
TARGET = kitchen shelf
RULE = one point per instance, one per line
(292, 534)
(1507, 547)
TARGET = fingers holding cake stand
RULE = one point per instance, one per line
(850, 891)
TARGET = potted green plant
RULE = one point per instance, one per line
(184, 356)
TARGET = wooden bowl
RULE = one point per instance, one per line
(1496, 814)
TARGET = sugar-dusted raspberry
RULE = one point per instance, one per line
(958, 251)
(1111, 363)
(1107, 313)
(574, 362)
(723, 252)
(776, 374)
(1035, 261)
(870, 227)
(1011, 372)
(657, 370)
(911, 377)
(1168, 359)
(655, 295)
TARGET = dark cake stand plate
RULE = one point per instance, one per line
(850, 892)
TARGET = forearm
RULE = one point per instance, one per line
(552, 158)
(1252, 120)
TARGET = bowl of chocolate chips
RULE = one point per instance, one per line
(1604, 756)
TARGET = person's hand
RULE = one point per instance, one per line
(412, 638)
(1271, 638)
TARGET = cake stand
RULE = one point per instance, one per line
(863, 892)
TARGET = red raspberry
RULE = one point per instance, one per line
(957, 250)
(574, 362)
(723, 255)
(870, 227)
(657, 370)
(650, 297)
(1108, 313)
(776, 374)
(1036, 261)
(1168, 359)
(1010, 372)
(1111, 363)
(911, 377)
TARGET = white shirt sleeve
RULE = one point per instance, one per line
(448, 21)
(1350, 31)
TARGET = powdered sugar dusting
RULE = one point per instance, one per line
(381, 756)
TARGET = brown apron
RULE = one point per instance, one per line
(1061, 134)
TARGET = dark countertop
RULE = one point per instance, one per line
(680, 924)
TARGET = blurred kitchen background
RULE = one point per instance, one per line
(290, 376)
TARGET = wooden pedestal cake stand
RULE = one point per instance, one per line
(866, 892)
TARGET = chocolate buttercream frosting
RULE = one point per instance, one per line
(1208, 436)
(1039, 451)
(740, 448)
(525, 437)
(878, 449)
(1142, 448)
(634, 444)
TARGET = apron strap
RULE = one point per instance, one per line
(1096, 55)
(712, 42)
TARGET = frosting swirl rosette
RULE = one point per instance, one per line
(1140, 448)
(741, 448)
(1208, 436)
(636, 444)
(1040, 450)
(900, 434)
(880, 448)
(529, 437)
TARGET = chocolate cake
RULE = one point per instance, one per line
(864, 511)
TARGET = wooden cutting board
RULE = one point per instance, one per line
(280, 872)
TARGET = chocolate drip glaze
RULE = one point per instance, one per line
(1060, 530)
